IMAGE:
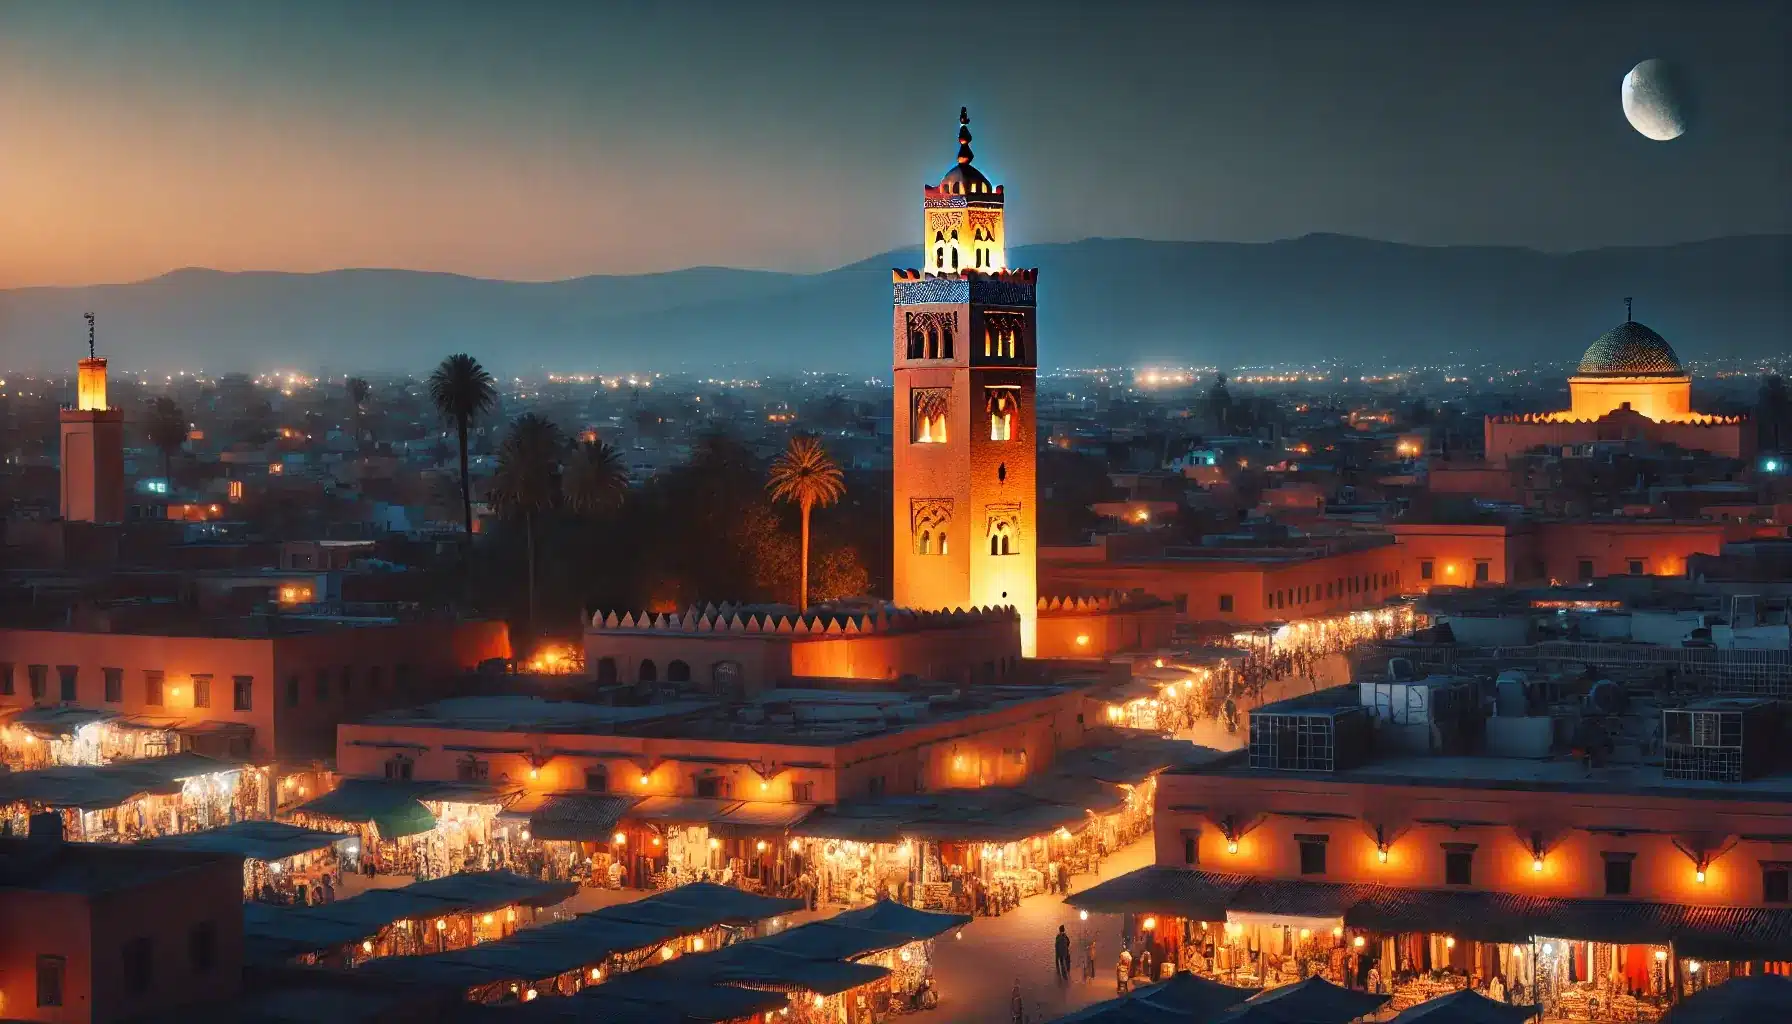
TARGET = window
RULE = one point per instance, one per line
(1181, 602)
(1481, 572)
(1776, 883)
(323, 685)
(139, 965)
(1001, 539)
(1001, 404)
(152, 687)
(348, 682)
(802, 792)
(401, 678)
(202, 691)
(1617, 873)
(1426, 570)
(649, 672)
(202, 947)
(376, 677)
(710, 787)
(606, 669)
(874, 786)
(65, 678)
(725, 674)
(471, 769)
(242, 693)
(40, 680)
(927, 419)
(597, 779)
(1459, 865)
(1191, 847)
(1585, 569)
(1225, 602)
(6, 687)
(292, 691)
(50, 972)
(678, 671)
(1636, 567)
(114, 685)
(1312, 854)
(398, 767)
(939, 250)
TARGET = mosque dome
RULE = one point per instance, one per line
(1630, 350)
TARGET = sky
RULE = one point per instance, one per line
(538, 141)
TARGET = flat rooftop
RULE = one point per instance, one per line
(49, 865)
(533, 714)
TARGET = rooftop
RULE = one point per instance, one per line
(533, 714)
(51, 865)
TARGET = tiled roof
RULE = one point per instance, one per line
(1630, 350)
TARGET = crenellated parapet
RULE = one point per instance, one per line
(1098, 604)
(998, 288)
(736, 619)
(1696, 419)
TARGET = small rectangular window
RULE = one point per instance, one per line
(802, 792)
(202, 947)
(66, 675)
(874, 786)
(39, 675)
(114, 685)
(709, 788)
(202, 691)
(292, 691)
(242, 693)
(152, 687)
(50, 972)
(323, 685)
(1426, 569)
(1617, 873)
(1225, 602)
(375, 677)
(1191, 847)
(1459, 867)
(597, 779)
(348, 681)
(1585, 569)
(1181, 603)
(1636, 567)
(1776, 883)
(6, 685)
(1312, 857)
(139, 965)
(1482, 571)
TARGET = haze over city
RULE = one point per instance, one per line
(801, 513)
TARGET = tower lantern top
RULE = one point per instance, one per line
(963, 179)
(964, 135)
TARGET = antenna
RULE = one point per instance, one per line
(89, 318)
(1627, 317)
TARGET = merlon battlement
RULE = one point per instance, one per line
(899, 275)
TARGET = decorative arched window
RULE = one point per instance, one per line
(924, 543)
(649, 672)
(917, 343)
(1000, 404)
(928, 518)
(1001, 539)
(606, 669)
(928, 416)
(954, 248)
(939, 250)
(933, 342)
(943, 550)
(678, 672)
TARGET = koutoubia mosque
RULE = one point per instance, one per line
(965, 358)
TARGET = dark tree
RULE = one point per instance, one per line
(462, 391)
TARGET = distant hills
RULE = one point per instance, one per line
(1103, 302)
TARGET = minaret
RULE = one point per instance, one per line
(966, 491)
(92, 446)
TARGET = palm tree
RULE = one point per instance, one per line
(595, 478)
(528, 479)
(806, 476)
(166, 427)
(358, 390)
(462, 392)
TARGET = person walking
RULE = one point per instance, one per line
(1016, 1012)
(1089, 958)
(1062, 948)
(1123, 971)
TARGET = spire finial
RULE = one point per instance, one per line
(964, 135)
(1627, 317)
(89, 319)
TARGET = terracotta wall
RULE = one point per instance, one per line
(1498, 822)
(1662, 548)
(1098, 634)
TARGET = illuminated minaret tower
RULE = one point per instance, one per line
(966, 494)
(92, 447)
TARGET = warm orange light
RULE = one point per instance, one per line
(715, 844)
(1337, 931)
(531, 994)
(760, 846)
(1082, 640)
(441, 924)
(1306, 933)
(366, 945)
(1382, 855)
(1357, 942)
(1151, 924)
(697, 944)
(1450, 942)
(535, 773)
(597, 974)
(1699, 876)
(487, 919)
(643, 780)
(1232, 846)
(796, 846)
(656, 840)
(510, 914)
(90, 385)
(619, 839)
(1692, 966)
(665, 952)
(1661, 954)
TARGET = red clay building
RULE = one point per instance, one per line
(91, 934)
(264, 696)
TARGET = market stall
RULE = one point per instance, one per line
(282, 863)
(43, 737)
(130, 800)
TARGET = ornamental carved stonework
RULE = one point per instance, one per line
(930, 403)
(942, 222)
(945, 322)
(1002, 515)
(928, 514)
(985, 219)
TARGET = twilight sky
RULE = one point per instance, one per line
(535, 140)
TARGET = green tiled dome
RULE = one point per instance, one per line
(1631, 350)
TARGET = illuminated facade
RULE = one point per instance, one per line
(964, 357)
(1629, 385)
(92, 451)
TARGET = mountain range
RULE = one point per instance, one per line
(1103, 302)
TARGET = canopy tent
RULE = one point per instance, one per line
(390, 806)
(1197, 895)
(1755, 999)
(753, 963)
(1184, 997)
(582, 817)
(1313, 1001)
(1465, 1007)
(758, 817)
(892, 917)
(57, 722)
(869, 828)
(94, 787)
(272, 934)
(647, 997)
(255, 840)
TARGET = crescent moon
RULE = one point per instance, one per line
(1654, 102)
